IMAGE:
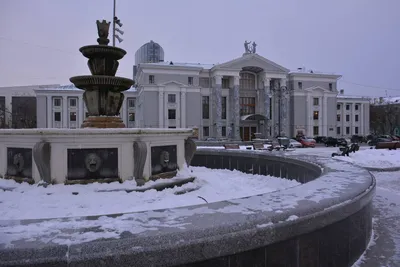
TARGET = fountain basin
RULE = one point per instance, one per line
(90, 155)
(101, 51)
(97, 82)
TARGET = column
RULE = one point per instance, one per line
(123, 112)
(49, 122)
(325, 116)
(183, 108)
(284, 107)
(8, 109)
(362, 130)
(218, 105)
(161, 108)
(236, 109)
(81, 110)
(267, 104)
(65, 112)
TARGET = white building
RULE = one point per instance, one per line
(235, 99)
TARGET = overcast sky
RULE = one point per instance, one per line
(359, 39)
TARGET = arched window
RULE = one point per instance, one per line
(247, 81)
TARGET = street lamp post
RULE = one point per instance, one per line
(116, 22)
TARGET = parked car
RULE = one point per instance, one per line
(307, 142)
(331, 141)
(320, 139)
(358, 139)
(294, 144)
(343, 142)
(374, 141)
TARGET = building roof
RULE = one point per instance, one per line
(70, 87)
(182, 64)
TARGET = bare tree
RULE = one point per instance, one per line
(384, 117)
(23, 115)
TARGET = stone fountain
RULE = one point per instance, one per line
(102, 96)
(103, 150)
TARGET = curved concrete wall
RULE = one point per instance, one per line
(326, 221)
(258, 163)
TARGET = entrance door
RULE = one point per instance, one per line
(246, 132)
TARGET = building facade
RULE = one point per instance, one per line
(63, 107)
(232, 100)
(247, 95)
(18, 106)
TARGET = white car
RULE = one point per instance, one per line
(293, 144)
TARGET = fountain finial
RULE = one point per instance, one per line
(102, 30)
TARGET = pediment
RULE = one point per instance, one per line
(252, 60)
(317, 89)
(172, 83)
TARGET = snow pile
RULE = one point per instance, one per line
(23, 201)
(374, 158)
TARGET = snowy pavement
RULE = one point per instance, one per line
(384, 250)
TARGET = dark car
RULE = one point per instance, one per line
(320, 139)
(358, 139)
(341, 142)
(331, 141)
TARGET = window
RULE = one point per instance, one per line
(347, 107)
(247, 105)
(300, 85)
(338, 106)
(206, 107)
(171, 114)
(131, 116)
(356, 107)
(330, 86)
(356, 118)
(57, 102)
(225, 83)
(347, 130)
(190, 80)
(316, 115)
(355, 130)
(72, 102)
(223, 104)
(247, 81)
(57, 116)
(151, 79)
(338, 117)
(131, 102)
(347, 117)
(316, 130)
(316, 101)
(223, 131)
(72, 116)
(206, 131)
(204, 82)
(338, 130)
(171, 98)
(172, 127)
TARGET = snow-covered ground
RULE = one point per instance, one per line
(24, 201)
(385, 248)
